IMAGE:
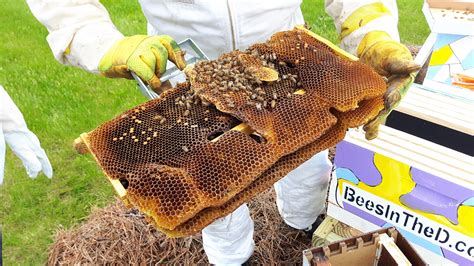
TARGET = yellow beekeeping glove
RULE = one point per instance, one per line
(392, 60)
(144, 55)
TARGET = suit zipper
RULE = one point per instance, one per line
(231, 25)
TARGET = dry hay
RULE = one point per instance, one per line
(121, 236)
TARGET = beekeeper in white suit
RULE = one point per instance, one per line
(82, 34)
(25, 144)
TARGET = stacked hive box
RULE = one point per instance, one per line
(181, 158)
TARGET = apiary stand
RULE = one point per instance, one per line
(440, 118)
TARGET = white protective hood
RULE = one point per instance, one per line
(221, 26)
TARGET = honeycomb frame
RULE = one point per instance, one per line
(209, 149)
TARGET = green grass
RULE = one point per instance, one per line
(412, 25)
(61, 102)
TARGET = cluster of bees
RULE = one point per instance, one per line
(187, 101)
(231, 77)
(228, 76)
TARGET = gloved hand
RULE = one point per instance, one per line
(14, 132)
(144, 55)
(392, 60)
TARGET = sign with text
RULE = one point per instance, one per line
(430, 211)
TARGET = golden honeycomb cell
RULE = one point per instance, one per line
(210, 144)
(281, 168)
(366, 111)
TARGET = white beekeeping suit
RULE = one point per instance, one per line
(355, 18)
(81, 32)
(25, 144)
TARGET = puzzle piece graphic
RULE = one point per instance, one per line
(397, 183)
(362, 165)
(435, 195)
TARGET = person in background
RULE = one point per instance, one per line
(23, 142)
(82, 34)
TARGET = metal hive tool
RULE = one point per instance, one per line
(238, 125)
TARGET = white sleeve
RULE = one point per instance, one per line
(341, 10)
(80, 31)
